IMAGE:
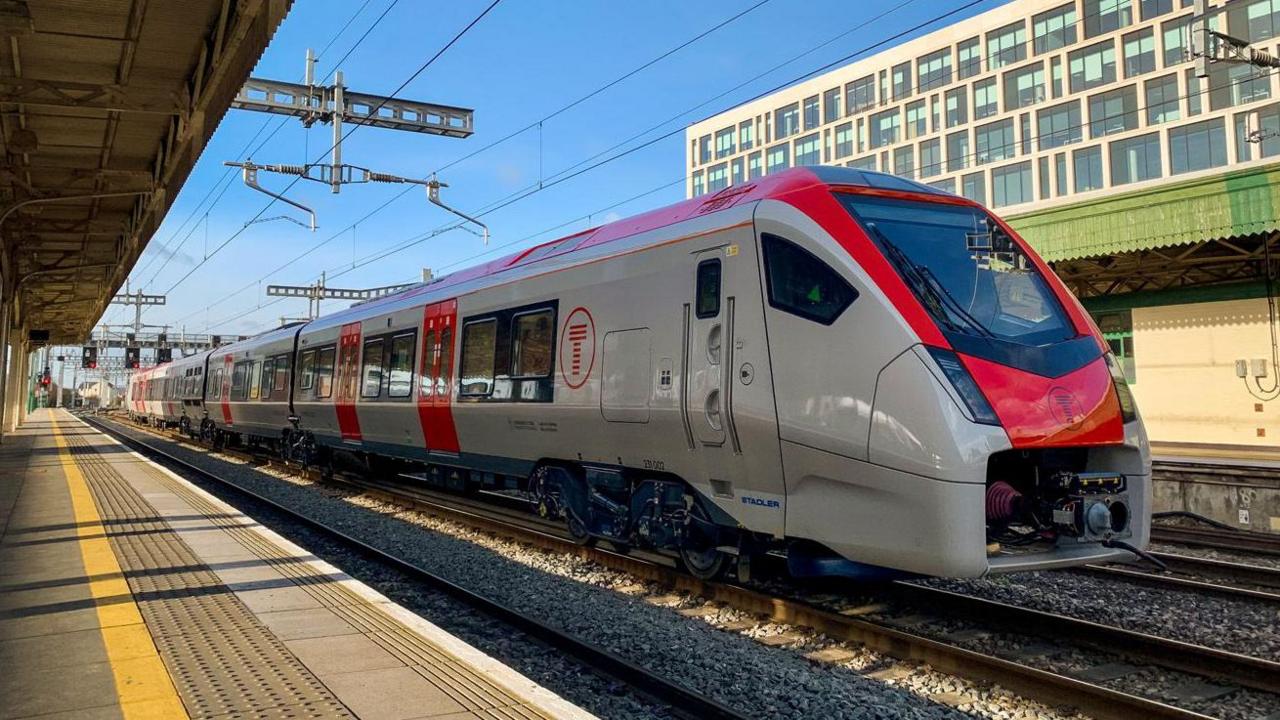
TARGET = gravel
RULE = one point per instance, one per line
(1251, 627)
(716, 651)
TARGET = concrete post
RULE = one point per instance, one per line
(24, 382)
(4, 366)
(13, 392)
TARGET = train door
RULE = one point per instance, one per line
(728, 391)
(224, 388)
(348, 371)
(435, 387)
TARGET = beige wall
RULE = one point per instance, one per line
(1186, 385)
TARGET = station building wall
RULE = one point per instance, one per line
(1185, 382)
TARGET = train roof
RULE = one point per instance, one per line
(772, 186)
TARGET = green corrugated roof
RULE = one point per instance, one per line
(1222, 206)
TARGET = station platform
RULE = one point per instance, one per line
(127, 592)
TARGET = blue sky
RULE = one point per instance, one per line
(523, 61)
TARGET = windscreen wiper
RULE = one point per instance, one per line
(911, 273)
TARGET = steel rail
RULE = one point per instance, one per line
(1257, 575)
(1034, 683)
(1173, 582)
(1237, 540)
(683, 700)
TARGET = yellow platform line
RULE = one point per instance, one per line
(143, 685)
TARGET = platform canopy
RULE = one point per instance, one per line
(105, 105)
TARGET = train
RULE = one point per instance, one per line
(859, 374)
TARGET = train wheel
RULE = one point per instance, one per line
(699, 553)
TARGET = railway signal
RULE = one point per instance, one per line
(164, 355)
(132, 358)
(89, 358)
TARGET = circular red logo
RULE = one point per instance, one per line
(577, 347)
(1064, 406)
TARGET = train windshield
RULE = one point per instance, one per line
(967, 272)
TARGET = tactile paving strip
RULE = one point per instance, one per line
(224, 663)
(475, 692)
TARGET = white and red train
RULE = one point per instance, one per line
(858, 370)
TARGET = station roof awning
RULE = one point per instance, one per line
(105, 105)
(1220, 207)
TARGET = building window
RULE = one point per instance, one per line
(803, 285)
(755, 168)
(968, 58)
(808, 150)
(1162, 99)
(994, 142)
(1269, 125)
(985, 99)
(1092, 66)
(958, 151)
(902, 81)
(884, 87)
(1055, 75)
(974, 187)
(1007, 46)
(831, 105)
(1053, 29)
(747, 134)
(1175, 34)
(957, 108)
(1236, 84)
(372, 362)
(724, 143)
(777, 158)
(884, 128)
(1155, 8)
(400, 376)
(1113, 111)
(717, 177)
(935, 115)
(946, 185)
(786, 120)
(1024, 86)
(844, 140)
(1135, 159)
(1139, 53)
(698, 188)
(934, 70)
(1059, 125)
(1103, 16)
(930, 158)
(1088, 168)
(479, 341)
(704, 149)
(812, 119)
(1043, 172)
(1117, 330)
(1060, 173)
(917, 120)
(1198, 147)
(736, 176)
(1011, 184)
(904, 161)
(867, 162)
(1194, 94)
(1254, 21)
(860, 94)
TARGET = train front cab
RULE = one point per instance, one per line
(960, 415)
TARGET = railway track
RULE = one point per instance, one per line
(1237, 540)
(1039, 684)
(687, 703)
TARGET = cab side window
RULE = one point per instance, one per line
(708, 289)
(803, 285)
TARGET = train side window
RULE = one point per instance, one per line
(239, 381)
(281, 381)
(803, 285)
(372, 363)
(263, 372)
(429, 354)
(708, 290)
(400, 368)
(307, 370)
(531, 344)
(444, 378)
(479, 344)
(324, 371)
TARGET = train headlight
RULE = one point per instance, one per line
(1128, 409)
(965, 386)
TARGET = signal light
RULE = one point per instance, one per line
(132, 358)
(89, 358)
(164, 355)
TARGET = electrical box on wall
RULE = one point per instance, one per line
(1258, 368)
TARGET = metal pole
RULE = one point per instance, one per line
(339, 112)
(62, 377)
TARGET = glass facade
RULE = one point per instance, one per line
(1001, 108)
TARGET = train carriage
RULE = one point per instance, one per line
(858, 370)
